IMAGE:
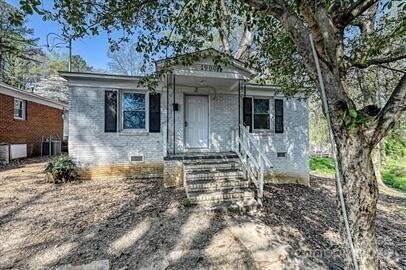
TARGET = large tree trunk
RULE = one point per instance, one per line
(359, 183)
(354, 146)
(361, 195)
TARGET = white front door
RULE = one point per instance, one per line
(196, 121)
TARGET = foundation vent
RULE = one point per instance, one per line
(281, 154)
(136, 158)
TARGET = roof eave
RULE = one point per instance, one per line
(97, 76)
(11, 91)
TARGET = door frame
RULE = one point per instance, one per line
(208, 123)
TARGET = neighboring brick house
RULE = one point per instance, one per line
(26, 118)
(117, 127)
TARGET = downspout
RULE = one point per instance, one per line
(334, 150)
(167, 114)
(239, 108)
(174, 121)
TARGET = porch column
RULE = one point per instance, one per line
(239, 108)
(167, 114)
(174, 116)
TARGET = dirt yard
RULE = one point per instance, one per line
(139, 224)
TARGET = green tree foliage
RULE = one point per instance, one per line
(79, 64)
(17, 47)
(44, 72)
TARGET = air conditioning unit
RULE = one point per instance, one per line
(51, 147)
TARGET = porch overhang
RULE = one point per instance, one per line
(195, 81)
(211, 74)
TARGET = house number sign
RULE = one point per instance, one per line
(212, 68)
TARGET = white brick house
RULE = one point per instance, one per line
(196, 111)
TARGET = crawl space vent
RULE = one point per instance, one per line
(136, 158)
(281, 154)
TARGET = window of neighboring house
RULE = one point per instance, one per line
(261, 114)
(19, 109)
(134, 110)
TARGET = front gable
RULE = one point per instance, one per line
(206, 66)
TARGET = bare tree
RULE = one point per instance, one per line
(126, 60)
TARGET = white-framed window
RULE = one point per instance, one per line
(134, 110)
(257, 113)
(19, 109)
(261, 113)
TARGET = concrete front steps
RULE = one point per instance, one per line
(218, 184)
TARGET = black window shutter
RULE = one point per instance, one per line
(26, 110)
(278, 116)
(154, 112)
(110, 111)
(247, 112)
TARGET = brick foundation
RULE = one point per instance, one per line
(128, 171)
(173, 173)
(285, 178)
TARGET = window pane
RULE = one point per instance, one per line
(134, 101)
(261, 121)
(134, 120)
(261, 106)
(18, 108)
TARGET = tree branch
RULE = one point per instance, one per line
(392, 69)
(246, 40)
(275, 8)
(223, 31)
(392, 111)
(299, 31)
(344, 18)
(378, 61)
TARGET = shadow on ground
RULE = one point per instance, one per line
(312, 213)
(132, 223)
(139, 224)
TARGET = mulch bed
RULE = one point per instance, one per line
(19, 163)
(313, 212)
(137, 223)
(131, 223)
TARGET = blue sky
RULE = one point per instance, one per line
(92, 48)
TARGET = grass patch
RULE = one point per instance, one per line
(394, 173)
(322, 165)
(393, 170)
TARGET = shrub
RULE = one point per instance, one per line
(62, 169)
(186, 202)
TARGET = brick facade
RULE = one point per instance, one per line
(41, 121)
(90, 145)
(87, 139)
